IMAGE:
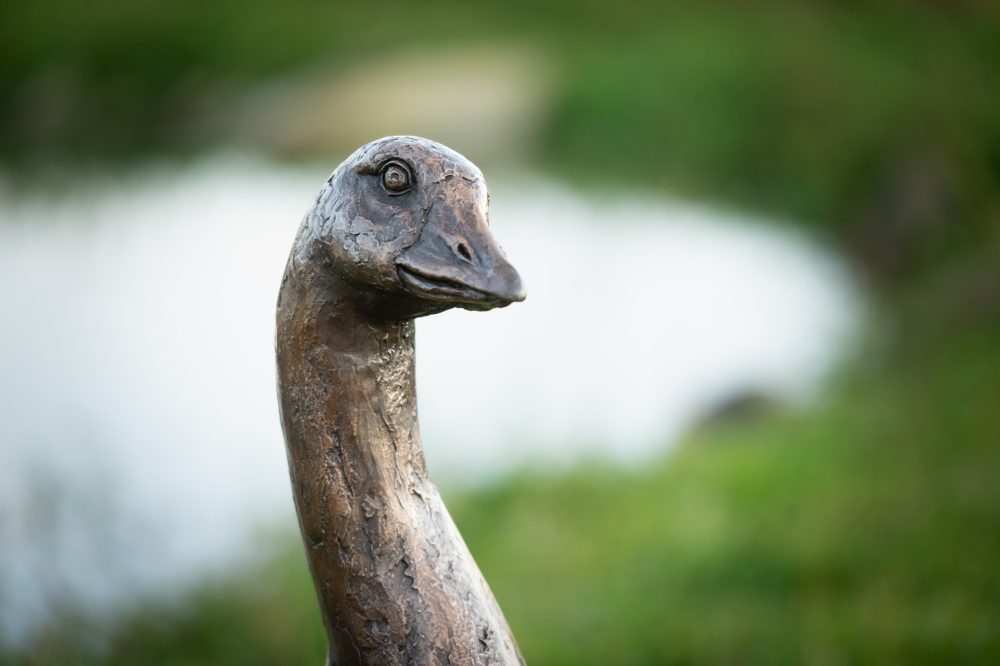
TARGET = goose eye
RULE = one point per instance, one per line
(395, 178)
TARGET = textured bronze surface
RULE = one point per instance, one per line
(400, 230)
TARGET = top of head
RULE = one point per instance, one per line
(405, 215)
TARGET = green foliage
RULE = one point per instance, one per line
(864, 532)
(795, 110)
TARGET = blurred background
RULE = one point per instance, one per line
(749, 413)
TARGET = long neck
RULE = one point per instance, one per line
(394, 578)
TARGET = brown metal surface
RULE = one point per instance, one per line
(400, 230)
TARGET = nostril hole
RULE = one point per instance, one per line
(463, 251)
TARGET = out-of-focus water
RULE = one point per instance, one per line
(140, 444)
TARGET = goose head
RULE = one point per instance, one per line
(408, 218)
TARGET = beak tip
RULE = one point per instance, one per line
(510, 287)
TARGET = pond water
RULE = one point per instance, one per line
(141, 447)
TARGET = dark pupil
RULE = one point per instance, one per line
(395, 178)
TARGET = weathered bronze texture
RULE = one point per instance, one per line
(400, 230)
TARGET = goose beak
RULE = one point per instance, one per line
(456, 260)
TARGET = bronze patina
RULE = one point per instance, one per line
(400, 230)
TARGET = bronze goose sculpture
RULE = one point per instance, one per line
(400, 230)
